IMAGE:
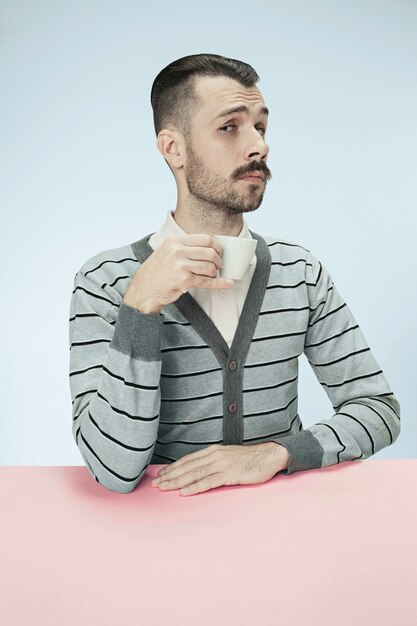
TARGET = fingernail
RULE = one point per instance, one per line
(229, 282)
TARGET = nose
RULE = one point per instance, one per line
(257, 146)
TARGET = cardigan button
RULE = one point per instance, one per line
(232, 365)
(232, 407)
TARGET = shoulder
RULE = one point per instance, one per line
(109, 261)
(285, 251)
(298, 261)
(109, 270)
(282, 244)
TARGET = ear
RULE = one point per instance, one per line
(171, 145)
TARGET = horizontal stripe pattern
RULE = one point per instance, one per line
(130, 411)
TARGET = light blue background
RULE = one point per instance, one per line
(80, 173)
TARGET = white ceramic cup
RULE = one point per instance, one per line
(237, 254)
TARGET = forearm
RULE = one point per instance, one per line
(114, 379)
(360, 428)
(115, 427)
(366, 413)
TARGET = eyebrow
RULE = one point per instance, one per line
(240, 109)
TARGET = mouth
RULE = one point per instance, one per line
(253, 177)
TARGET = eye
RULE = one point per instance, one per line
(261, 129)
(227, 126)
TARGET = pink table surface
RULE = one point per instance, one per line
(332, 546)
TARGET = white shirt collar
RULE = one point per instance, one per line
(170, 228)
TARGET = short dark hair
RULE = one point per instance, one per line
(173, 95)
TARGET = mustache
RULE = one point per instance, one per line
(253, 167)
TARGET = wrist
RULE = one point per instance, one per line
(281, 455)
(143, 305)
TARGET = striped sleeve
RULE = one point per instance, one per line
(366, 413)
(115, 368)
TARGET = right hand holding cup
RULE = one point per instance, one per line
(177, 265)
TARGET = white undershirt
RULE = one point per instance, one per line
(223, 306)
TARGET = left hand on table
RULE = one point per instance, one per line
(220, 465)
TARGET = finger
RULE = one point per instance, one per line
(194, 469)
(202, 268)
(205, 282)
(200, 454)
(185, 478)
(205, 241)
(210, 482)
(205, 254)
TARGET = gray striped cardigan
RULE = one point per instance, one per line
(152, 388)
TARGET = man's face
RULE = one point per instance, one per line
(223, 147)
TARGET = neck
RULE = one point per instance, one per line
(199, 217)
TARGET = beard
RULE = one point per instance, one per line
(211, 189)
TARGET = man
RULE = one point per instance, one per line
(172, 364)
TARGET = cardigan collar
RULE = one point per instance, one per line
(202, 323)
(232, 361)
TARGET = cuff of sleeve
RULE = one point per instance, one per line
(304, 450)
(137, 334)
